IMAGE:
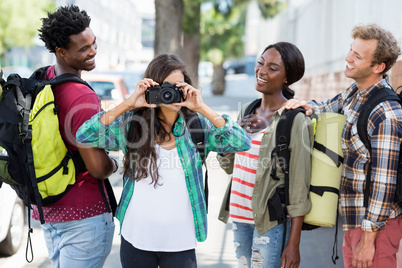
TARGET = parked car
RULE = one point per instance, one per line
(131, 76)
(12, 221)
(111, 89)
(235, 66)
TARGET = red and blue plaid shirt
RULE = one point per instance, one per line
(384, 132)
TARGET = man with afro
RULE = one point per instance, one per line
(79, 227)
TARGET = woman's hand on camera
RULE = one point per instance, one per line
(193, 101)
(192, 97)
(137, 99)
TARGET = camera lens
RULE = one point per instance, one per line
(167, 96)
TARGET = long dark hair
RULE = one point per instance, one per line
(294, 65)
(145, 124)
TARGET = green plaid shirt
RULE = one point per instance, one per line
(230, 138)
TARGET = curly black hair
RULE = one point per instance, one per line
(60, 25)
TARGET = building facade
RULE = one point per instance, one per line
(124, 32)
(322, 31)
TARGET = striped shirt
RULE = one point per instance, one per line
(385, 134)
(229, 138)
(244, 173)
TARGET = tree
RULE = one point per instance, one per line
(178, 30)
(19, 22)
(168, 31)
(222, 33)
(221, 38)
(192, 36)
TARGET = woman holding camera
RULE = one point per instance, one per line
(162, 209)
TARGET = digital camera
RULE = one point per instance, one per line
(165, 94)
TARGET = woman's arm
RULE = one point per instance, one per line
(194, 101)
(136, 100)
(223, 135)
(226, 160)
(106, 129)
(291, 253)
(333, 105)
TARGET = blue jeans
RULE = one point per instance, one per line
(132, 257)
(80, 244)
(262, 251)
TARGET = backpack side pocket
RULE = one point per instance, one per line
(275, 208)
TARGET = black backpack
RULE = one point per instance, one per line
(24, 102)
(384, 94)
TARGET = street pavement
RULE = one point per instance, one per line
(217, 251)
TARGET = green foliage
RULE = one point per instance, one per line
(20, 20)
(191, 17)
(223, 26)
(269, 8)
(223, 33)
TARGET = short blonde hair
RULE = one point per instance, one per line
(387, 50)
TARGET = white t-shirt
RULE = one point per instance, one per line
(160, 218)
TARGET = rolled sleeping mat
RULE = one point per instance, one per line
(327, 159)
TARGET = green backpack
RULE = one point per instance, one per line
(34, 160)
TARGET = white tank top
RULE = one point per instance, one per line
(160, 218)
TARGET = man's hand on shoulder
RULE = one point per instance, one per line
(295, 103)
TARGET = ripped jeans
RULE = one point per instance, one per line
(258, 251)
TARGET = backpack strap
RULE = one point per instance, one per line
(194, 126)
(384, 94)
(68, 77)
(108, 196)
(252, 106)
(336, 158)
(63, 78)
(1, 78)
(38, 74)
(197, 134)
(281, 151)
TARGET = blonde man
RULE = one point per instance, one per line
(372, 232)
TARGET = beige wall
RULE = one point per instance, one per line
(324, 86)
